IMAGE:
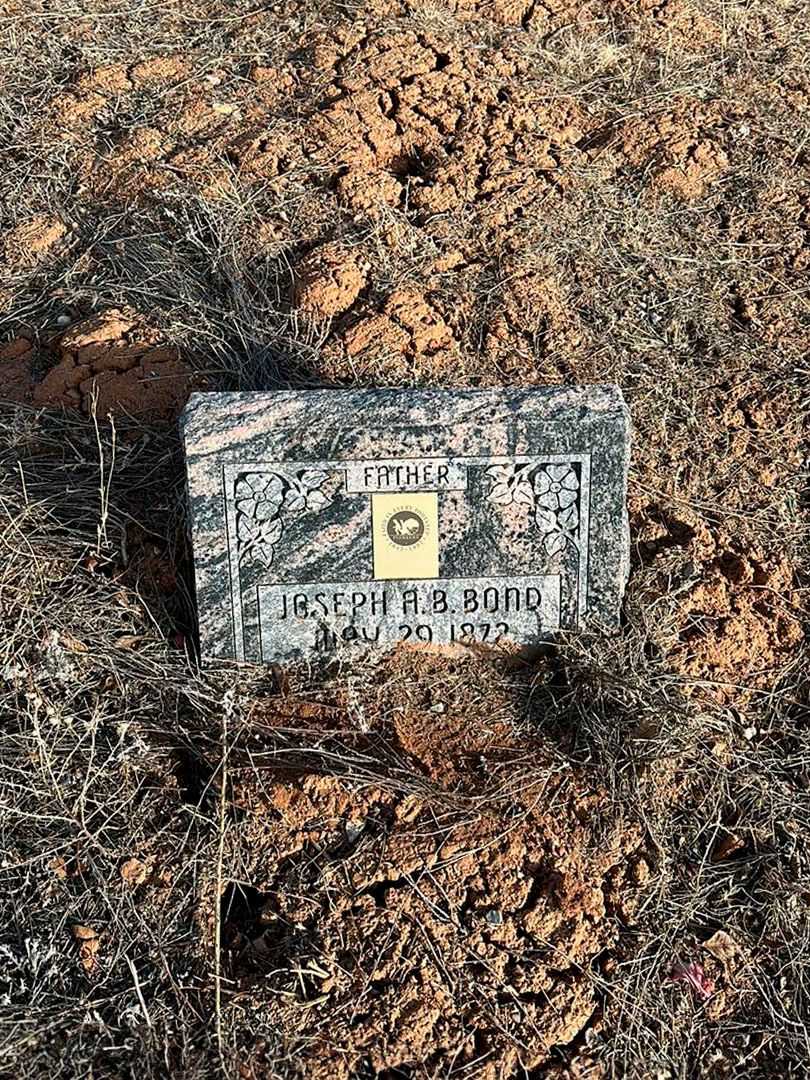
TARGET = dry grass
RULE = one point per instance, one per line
(112, 751)
(113, 741)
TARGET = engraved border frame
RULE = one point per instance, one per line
(230, 473)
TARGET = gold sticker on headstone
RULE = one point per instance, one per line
(405, 529)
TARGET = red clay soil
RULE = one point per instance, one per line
(108, 364)
(427, 933)
(470, 919)
(736, 621)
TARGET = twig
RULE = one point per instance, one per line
(139, 992)
(223, 790)
(104, 486)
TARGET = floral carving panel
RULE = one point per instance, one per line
(266, 502)
(552, 491)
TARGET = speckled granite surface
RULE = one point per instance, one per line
(335, 521)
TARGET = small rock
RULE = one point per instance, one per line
(353, 830)
(134, 872)
(727, 844)
(722, 946)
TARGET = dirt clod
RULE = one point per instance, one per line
(33, 241)
(16, 378)
(328, 281)
(111, 363)
(134, 872)
(89, 944)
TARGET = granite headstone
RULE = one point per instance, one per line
(332, 522)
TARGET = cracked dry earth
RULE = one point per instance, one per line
(393, 930)
(108, 364)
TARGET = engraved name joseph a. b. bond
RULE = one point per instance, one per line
(262, 501)
(446, 611)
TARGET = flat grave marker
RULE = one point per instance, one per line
(334, 522)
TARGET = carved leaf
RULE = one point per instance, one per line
(501, 474)
(554, 542)
(569, 518)
(501, 493)
(270, 531)
(247, 530)
(265, 554)
(546, 520)
(523, 493)
(257, 537)
(316, 499)
(311, 478)
(294, 501)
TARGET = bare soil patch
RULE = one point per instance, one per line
(108, 365)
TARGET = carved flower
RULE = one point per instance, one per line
(259, 495)
(555, 514)
(263, 499)
(556, 487)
